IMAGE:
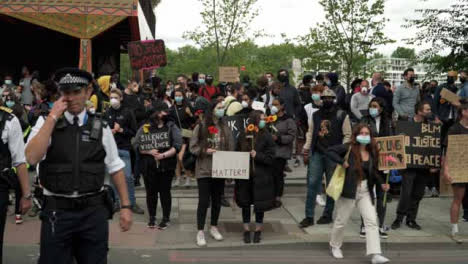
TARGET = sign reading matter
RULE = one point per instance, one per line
(422, 143)
(228, 74)
(457, 158)
(231, 165)
(391, 153)
(147, 54)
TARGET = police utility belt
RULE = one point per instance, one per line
(78, 203)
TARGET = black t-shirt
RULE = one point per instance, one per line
(456, 129)
(365, 170)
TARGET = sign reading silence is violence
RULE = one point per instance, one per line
(422, 141)
(391, 153)
(147, 54)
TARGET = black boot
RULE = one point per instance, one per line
(247, 237)
(257, 236)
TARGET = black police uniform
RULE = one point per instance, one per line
(77, 207)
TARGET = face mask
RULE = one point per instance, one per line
(364, 90)
(245, 104)
(10, 103)
(269, 80)
(219, 113)
(115, 103)
(282, 78)
(327, 104)
(209, 82)
(168, 93)
(374, 112)
(274, 110)
(113, 85)
(51, 104)
(261, 124)
(8, 82)
(329, 84)
(450, 80)
(316, 97)
(178, 99)
(363, 140)
(189, 95)
(92, 111)
(411, 80)
(201, 81)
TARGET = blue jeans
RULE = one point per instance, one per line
(125, 156)
(318, 164)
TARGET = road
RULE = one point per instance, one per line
(444, 253)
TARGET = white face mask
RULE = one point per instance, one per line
(113, 85)
(115, 103)
(92, 110)
(245, 104)
(274, 110)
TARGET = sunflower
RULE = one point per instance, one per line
(250, 128)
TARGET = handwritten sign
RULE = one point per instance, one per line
(256, 105)
(229, 74)
(391, 153)
(449, 96)
(158, 140)
(422, 141)
(147, 54)
(457, 158)
(231, 165)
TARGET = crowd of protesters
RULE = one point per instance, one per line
(319, 121)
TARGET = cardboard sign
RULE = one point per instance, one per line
(231, 165)
(457, 158)
(449, 96)
(237, 124)
(422, 141)
(229, 74)
(256, 105)
(391, 153)
(147, 54)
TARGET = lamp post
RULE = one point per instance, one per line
(365, 46)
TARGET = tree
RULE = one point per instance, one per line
(225, 24)
(404, 53)
(446, 30)
(351, 32)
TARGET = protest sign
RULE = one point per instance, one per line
(457, 158)
(237, 124)
(231, 165)
(147, 54)
(391, 153)
(229, 74)
(158, 140)
(422, 143)
(256, 105)
(449, 96)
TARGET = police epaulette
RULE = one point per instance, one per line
(6, 109)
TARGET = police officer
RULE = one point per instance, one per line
(75, 149)
(11, 156)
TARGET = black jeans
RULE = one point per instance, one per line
(74, 234)
(278, 173)
(3, 213)
(209, 188)
(433, 180)
(158, 183)
(18, 195)
(246, 216)
(412, 191)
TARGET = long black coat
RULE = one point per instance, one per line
(259, 189)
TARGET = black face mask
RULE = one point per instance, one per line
(411, 80)
(209, 81)
(462, 79)
(327, 104)
(450, 80)
(282, 78)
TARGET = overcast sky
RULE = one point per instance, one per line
(293, 17)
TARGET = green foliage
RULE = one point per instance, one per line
(352, 31)
(405, 53)
(447, 31)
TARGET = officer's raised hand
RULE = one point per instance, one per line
(59, 108)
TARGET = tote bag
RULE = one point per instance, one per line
(335, 187)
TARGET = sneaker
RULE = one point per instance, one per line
(297, 163)
(176, 183)
(214, 232)
(434, 191)
(287, 168)
(137, 210)
(427, 192)
(306, 222)
(18, 219)
(324, 220)
(413, 225)
(187, 182)
(164, 224)
(362, 233)
(201, 242)
(336, 253)
(379, 259)
(152, 223)
(383, 234)
(396, 224)
(320, 201)
(224, 202)
(456, 237)
(257, 237)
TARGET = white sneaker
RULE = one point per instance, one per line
(320, 201)
(336, 253)
(187, 182)
(201, 241)
(379, 259)
(176, 183)
(214, 232)
(427, 192)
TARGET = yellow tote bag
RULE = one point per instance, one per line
(335, 187)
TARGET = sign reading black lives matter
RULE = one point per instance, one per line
(391, 153)
(422, 143)
(154, 140)
(147, 54)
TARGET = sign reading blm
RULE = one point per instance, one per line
(422, 143)
(391, 153)
(147, 54)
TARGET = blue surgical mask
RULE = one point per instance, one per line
(219, 113)
(261, 124)
(329, 84)
(50, 104)
(178, 99)
(363, 140)
(316, 97)
(201, 81)
(374, 112)
(10, 103)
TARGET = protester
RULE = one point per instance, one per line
(247, 100)
(158, 142)
(414, 180)
(210, 135)
(330, 126)
(361, 177)
(360, 101)
(459, 189)
(463, 83)
(207, 89)
(311, 108)
(383, 89)
(406, 96)
(274, 93)
(258, 189)
(289, 94)
(304, 89)
(445, 110)
(27, 97)
(232, 102)
(262, 88)
(331, 80)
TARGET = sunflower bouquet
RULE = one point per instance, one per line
(270, 120)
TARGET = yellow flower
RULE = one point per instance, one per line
(250, 128)
(146, 128)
